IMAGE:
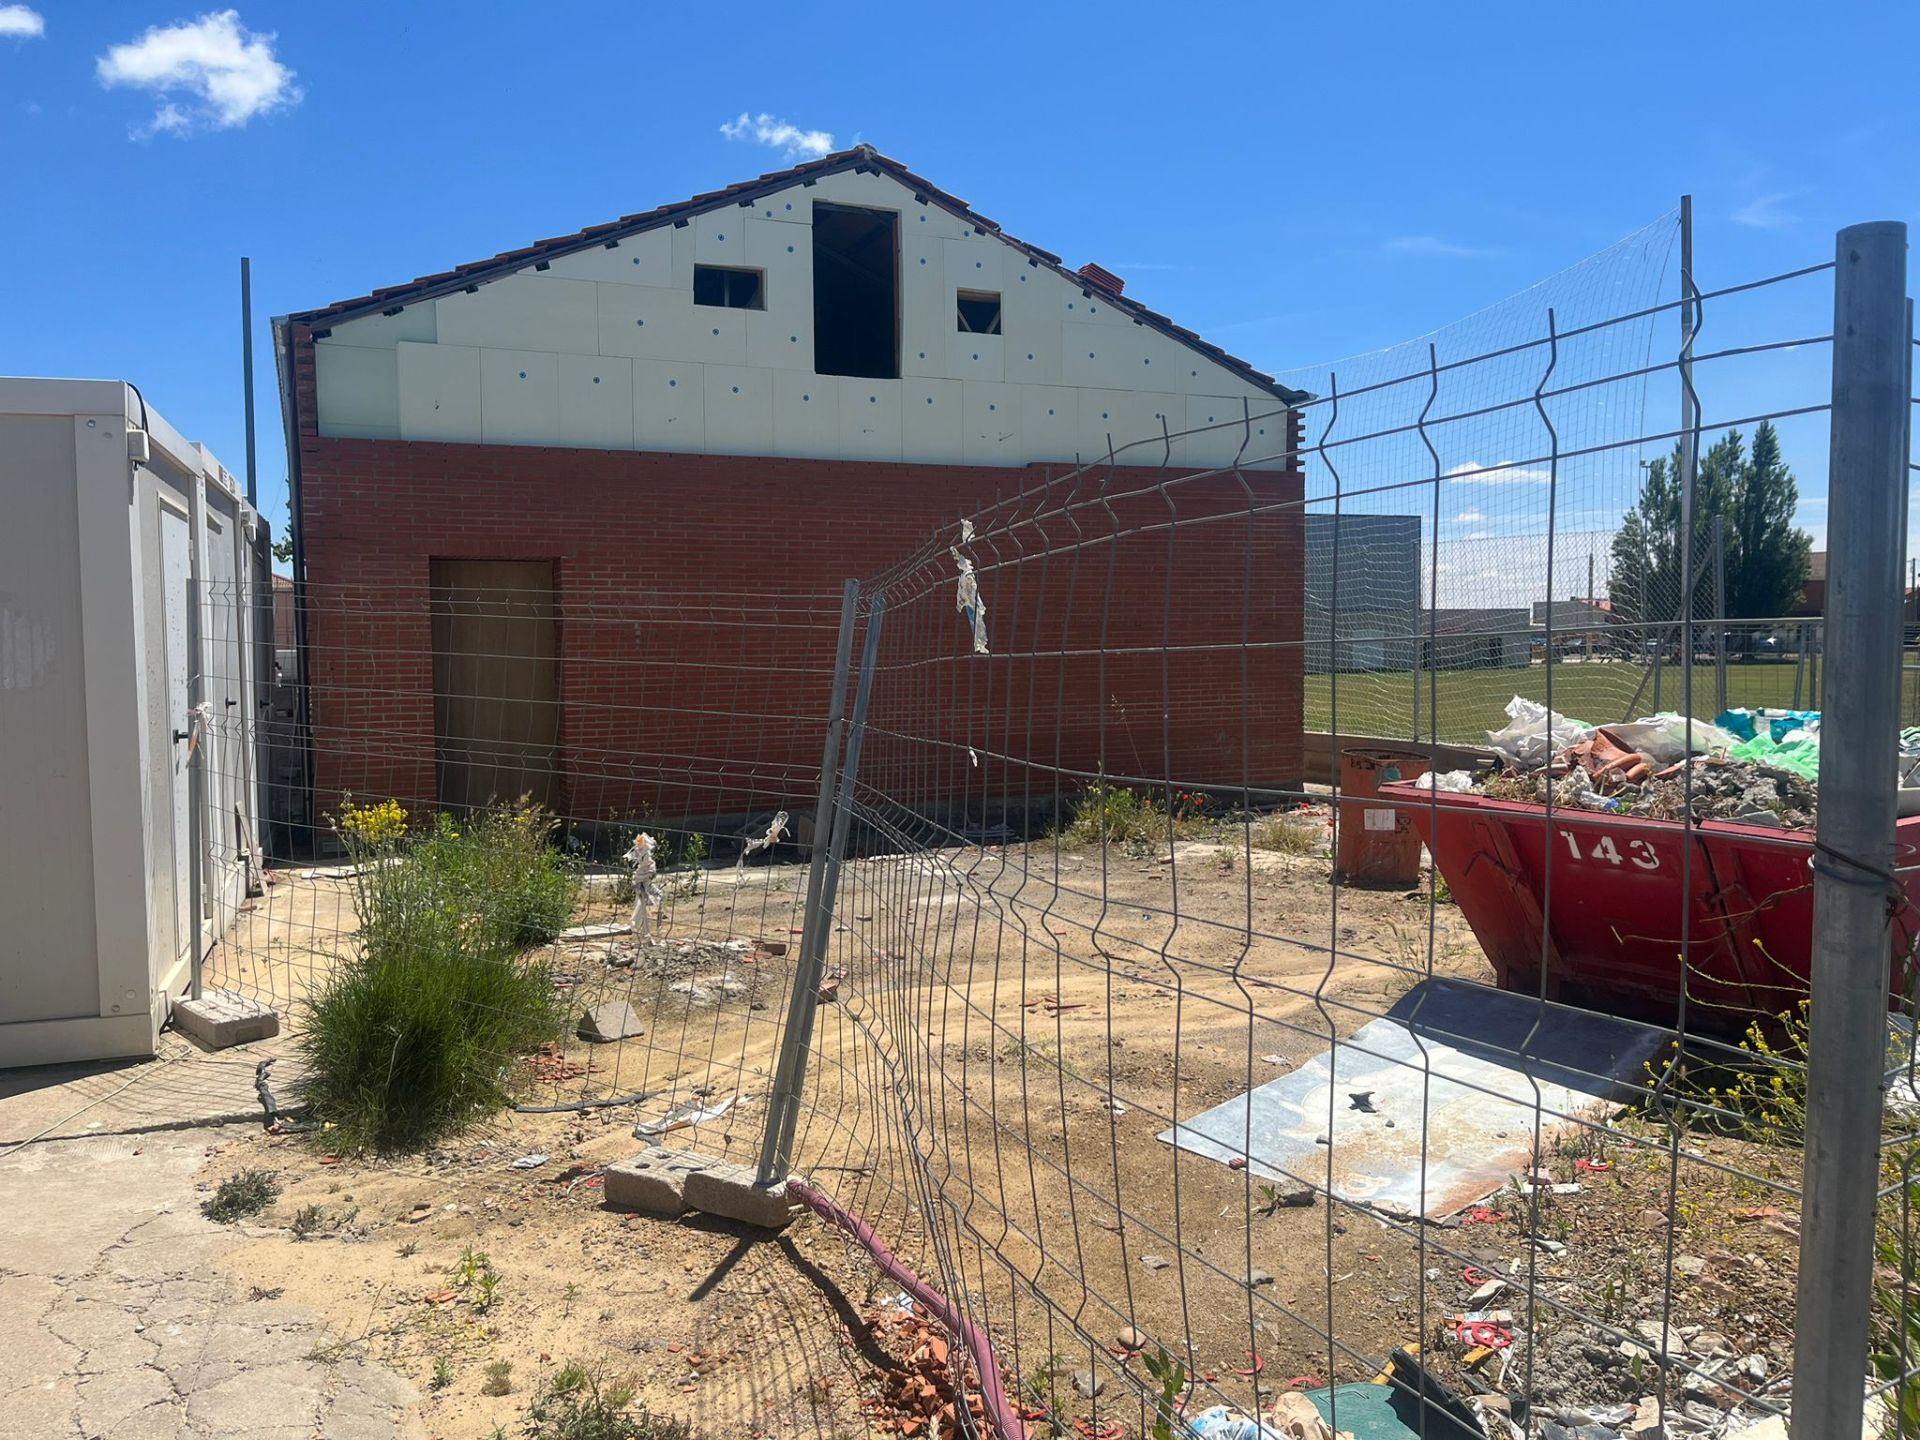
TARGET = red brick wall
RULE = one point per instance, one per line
(699, 599)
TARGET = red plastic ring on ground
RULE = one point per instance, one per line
(1483, 1332)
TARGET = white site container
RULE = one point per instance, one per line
(98, 558)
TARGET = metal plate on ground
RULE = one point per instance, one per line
(1451, 1084)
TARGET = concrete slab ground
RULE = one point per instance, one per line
(116, 1319)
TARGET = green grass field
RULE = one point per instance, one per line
(1472, 702)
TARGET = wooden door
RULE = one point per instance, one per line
(496, 682)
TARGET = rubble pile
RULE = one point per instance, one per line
(1746, 768)
(1709, 787)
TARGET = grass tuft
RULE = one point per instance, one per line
(418, 1035)
(577, 1405)
(239, 1196)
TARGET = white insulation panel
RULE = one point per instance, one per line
(604, 348)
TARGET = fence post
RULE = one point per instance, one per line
(194, 737)
(823, 878)
(1866, 515)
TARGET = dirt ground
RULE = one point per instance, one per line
(1003, 1034)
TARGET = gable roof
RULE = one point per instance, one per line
(862, 158)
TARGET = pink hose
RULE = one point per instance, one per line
(1002, 1414)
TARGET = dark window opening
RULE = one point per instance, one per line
(729, 288)
(856, 292)
(979, 312)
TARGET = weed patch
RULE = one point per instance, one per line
(418, 1034)
(578, 1405)
(239, 1196)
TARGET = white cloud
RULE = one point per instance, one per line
(1767, 212)
(784, 136)
(19, 22)
(216, 61)
(1469, 517)
(169, 119)
(1434, 247)
(1503, 472)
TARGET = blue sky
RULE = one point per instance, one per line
(1296, 183)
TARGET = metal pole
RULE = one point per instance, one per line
(1719, 615)
(1866, 515)
(786, 1085)
(778, 1154)
(246, 369)
(1689, 454)
(194, 738)
(196, 732)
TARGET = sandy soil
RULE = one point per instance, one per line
(1004, 1033)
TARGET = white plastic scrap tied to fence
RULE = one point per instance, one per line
(646, 889)
(775, 830)
(967, 595)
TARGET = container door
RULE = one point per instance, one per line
(174, 543)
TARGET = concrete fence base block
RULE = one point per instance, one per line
(671, 1182)
(653, 1181)
(728, 1190)
(220, 1018)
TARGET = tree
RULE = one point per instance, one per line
(1767, 558)
(283, 548)
(1754, 497)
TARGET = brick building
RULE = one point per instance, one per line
(499, 472)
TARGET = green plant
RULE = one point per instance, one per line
(469, 1266)
(499, 1379)
(239, 1196)
(486, 1290)
(417, 1034)
(306, 1222)
(442, 1373)
(1284, 834)
(408, 1250)
(686, 876)
(1114, 814)
(500, 868)
(1171, 1376)
(578, 1405)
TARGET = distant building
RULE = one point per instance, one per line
(1362, 592)
(1813, 599)
(766, 388)
(1476, 639)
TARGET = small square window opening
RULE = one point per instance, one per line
(979, 312)
(728, 288)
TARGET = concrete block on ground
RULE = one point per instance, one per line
(724, 1189)
(610, 1020)
(653, 1181)
(220, 1018)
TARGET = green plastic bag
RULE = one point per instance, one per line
(1801, 757)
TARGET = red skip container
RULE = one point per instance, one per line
(1623, 893)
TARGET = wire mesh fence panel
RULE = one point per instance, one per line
(1447, 1076)
(1307, 920)
(588, 807)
